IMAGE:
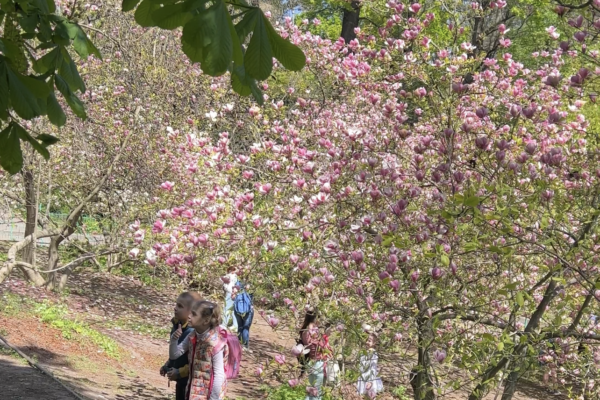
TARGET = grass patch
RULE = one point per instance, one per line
(7, 351)
(55, 315)
(400, 392)
(286, 392)
(13, 304)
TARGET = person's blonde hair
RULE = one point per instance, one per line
(208, 310)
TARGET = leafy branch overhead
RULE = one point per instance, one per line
(29, 75)
(211, 38)
(35, 62)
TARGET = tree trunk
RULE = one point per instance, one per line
(28, 255)
(510, 386)
(53, 258)
(420, 380)
(482, 388)
(350, 21)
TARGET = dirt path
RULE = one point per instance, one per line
(22, 382)
(137, 318)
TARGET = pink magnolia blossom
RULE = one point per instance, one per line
(280, 359)
(439, 356)
(168, 186)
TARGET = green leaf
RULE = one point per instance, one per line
(73, 101)
(48, 62)
(236, 45)
(143, 14)
(4, 93)
(47, 140)
(471, 246)
(445, 260)
(495, 249)
(488, 336)
(40, 89)
(520, 300)
(68, 71)
(25, 136)
(256, 92)
(24, 4)
(42, 6)
(15, 54)
(129, 5)
(29, 23)
(11, 157)
(472, 201)
(241, 3)
(209, 31)
(247, 24)
(194, 53)
(56, 115)
(558, 320)
(238, 82)
(22, 100)
(259, 57)
(83, 45)
(387, 241)
(171, 16)
(500, 346)
(193, 5)
(245, 85)
(289, 55)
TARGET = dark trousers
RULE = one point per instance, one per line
(180, 386)
(244, 326)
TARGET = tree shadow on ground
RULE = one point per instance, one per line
(135, 388)
(20, 381)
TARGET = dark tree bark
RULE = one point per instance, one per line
(350, 21)
(420, 380)
(30, 215)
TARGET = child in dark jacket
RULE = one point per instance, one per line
(178, 369)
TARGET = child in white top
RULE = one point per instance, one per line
(230, 281)
(369, 381)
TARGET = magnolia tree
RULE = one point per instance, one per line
(458, 220)
(107, 167)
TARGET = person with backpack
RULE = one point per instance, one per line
(214, 355)
(319, 353)
(244, 313)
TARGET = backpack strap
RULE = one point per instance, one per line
(221, 343)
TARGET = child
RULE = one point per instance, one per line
(207, 355)
(319, 352)
(176, 369)
(228, 287)
(244, 314)
(369, 381)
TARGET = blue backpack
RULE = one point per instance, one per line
(242, 303)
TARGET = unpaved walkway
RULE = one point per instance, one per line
(100, 300)
(19, 381)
